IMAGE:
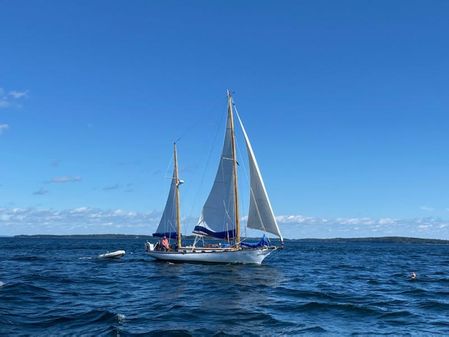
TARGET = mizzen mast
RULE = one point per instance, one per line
(177, 183)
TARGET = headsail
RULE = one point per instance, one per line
(260, 214)
(168, 224)
(218, 215)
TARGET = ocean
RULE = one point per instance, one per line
(56, 287)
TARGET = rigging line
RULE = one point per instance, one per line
(188, 129)
(198, 122)
(246, 175)
(251, 190)
(213, 145)
(168, 168)
(227, 222)
(165, 176)
(253, 197)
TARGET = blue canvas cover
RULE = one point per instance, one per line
(264, 242)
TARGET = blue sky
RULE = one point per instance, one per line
(346, 104)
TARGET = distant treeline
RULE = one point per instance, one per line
(385, 239)
(85, 236)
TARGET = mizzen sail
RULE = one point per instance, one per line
(168, 224)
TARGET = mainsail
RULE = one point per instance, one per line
(168, 224)
(260, 214)
(218, 215)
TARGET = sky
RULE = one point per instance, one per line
(345, 102)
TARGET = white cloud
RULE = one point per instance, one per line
(387, 221)
(40, 191)
(424, 227)
(18, 94)
(356, 221)
(11, 99)
(3, 128)
(111, 187)
(64, 179)
(297, 219)
(56, 163)
(115, 187)
(427, 208)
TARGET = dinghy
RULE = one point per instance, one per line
(220, 217)
(112, 255)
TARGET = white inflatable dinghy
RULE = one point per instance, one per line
(112, 255)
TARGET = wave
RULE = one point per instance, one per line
(83, 318)
(26, 258)
(313, 329)
(94, 322)
(348, 307)
(303, 294)
(158, 333)
(435, 305)
(86, 257)
(180, 333)
(397, 314)
(18, 289)
(416, 292)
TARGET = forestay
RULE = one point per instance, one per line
(218, 215)
(167, 225)
(260, 214)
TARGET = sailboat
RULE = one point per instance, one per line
(220, 216)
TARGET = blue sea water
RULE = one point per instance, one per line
(56, 287)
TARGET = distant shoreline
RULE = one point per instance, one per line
(384, 239)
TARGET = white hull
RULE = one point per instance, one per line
(112, 255)
(243, 256)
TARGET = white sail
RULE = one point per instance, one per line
(167, 225)
(260, 214)
(218, 215)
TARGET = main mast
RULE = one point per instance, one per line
(177, 183)
(234, 168)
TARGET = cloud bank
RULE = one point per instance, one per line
(86, 220)
(82, 220)
(299, 226)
